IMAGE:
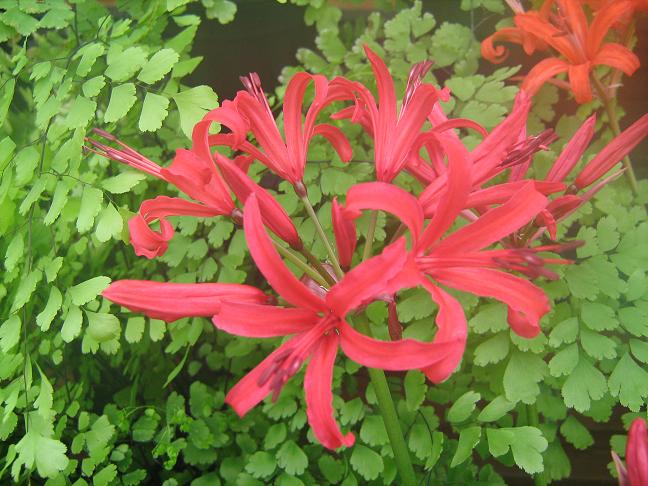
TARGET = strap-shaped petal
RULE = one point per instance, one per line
(269, 262)
(344, 229)
(573, 151)
(171, 301)
(580, 82)
(618, 57)
(319, 399)
(336, 138)
(406, 354)
(541, 72)
(261, 321)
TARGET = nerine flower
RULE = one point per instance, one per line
(563, 25)
(635, 472)
(250, 112)
(318, 326)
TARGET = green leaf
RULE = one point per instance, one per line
(373, 431)
(99, 435)
(93, 86)
(80, 114)
(639, 350)
(495, 410)
(14, 252)
(134, 329)
(576, 433)
(493, 350)
(109, 224)
(37, 448)
(86, 291)
(122, 98)
(415, 388)
(584, 384)
(629, 382)
(72, 324)
(597, 345)
(366, 462)
(154, 111)
(90, 206)
(523, 373)
(45, 397)
(160, 63)
(331, 469)
(491, 317)
(607, 234)
(420, 441)
(25, 290)
(634, 320)
(564, 361)
(105, 476)
(24, 24)
(122, 182)
(221, 10)
(44, 319)
(291, 458)
(598, 317)
(10, 333)
(468, 439)
(582, 281)
(175, 371)
(463, 407)
(89, 55)
(102, 327)
(124, 64)
(526, 444)
(261, 464)
(565, 332)
(6, 97)
(193, 104)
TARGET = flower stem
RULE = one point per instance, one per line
(290, 256)
(320, 231)
(371, 232)
(314, 261)
(609, 103)
(390, 417)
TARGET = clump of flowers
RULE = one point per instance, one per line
(478, 224)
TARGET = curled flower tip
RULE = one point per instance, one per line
(520, 152)
(416, 75)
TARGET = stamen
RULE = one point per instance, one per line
(522, 151)
(416, 75)
(252, 84)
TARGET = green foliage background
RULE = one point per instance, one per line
(90, 394)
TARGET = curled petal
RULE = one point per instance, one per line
(367, 280)
(527, 303)
(387, 197)
(618, 57)
(406, 354)
(344, 228)
(637, 453)
(336, 138)
(573, 151)
(261, 321)
(541, 72)
(319, 399)
(274, 215)
(497, 53)
(145, 240)
(613, 152)
(269, 262)
(172, 301)
(453, 330)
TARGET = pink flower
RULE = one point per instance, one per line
(318, 327)
(250, 111)
(637, 453)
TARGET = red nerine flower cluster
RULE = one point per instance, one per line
(494, 255)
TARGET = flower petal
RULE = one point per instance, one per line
(499, 54)
(260, 321)
(269, 262)
(579, 82)
(637, 453)
(541, 72)
(453, 330)
(573, 151)
(145, 240)
(367, 280)
(390, 198)
(496, 223)
(527, 303)
(336, 138)
(406, 354)
(319, 398)
(605, 18)
(247, 393)
(501, 193)
(618, 57)
(613, 152)
(344, 229)
(172, 301)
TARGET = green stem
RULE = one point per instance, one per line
(609, 104)
(290, 256)
(320, 231)
(371, 232)
(313, 260)
(533, 419)
(390, 417)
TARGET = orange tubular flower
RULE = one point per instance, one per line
(580, 45)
